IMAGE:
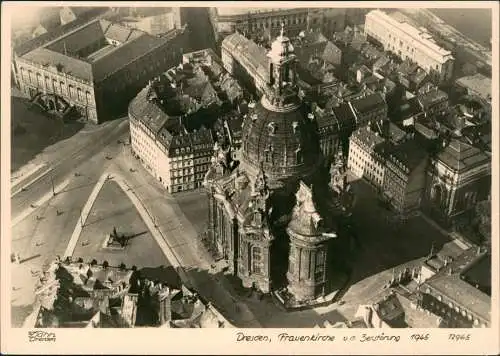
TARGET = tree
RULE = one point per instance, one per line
(483, 220)
(105, 264)
(93, 262)
(122, 266)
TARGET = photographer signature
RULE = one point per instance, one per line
(41, 336)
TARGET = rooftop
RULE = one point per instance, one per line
(368, 137)
(248, 53)
(409, 153)
(478, 83)
(369, 103)
(421, 37)
(431, 97)
(461, 156)
(57, 32)
(410, 108)
(117, 46)
(233, 11)
(449, 283)
(181, 104)
(478, 274)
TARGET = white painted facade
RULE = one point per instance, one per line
(410, 43)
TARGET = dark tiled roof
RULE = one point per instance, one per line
(479, 274)
(425, 131)
(72, 42)
(135, 44)
(461, 156)
(409, 153)
(58, 32)
(432, 97)
(235, 126)
(410, 108)
(391, 311)
(346, 117)
(123, 55)
(369, 103)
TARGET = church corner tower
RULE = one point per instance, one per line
(310, 239)
(255, 238)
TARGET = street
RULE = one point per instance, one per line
(201, 30)
(66, 160)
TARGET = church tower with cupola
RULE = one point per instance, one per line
(277, 132)
(264, 219)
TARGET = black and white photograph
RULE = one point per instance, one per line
(249, 168)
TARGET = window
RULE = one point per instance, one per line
(319, 265)
(47, 83)
(89, 97)
(80, 95)
(256, 259)
(298, 156)
(39, 80)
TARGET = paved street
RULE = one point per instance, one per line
(201, 30)
(34, 130)
(45, 231)
(64, 159)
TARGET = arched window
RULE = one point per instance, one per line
(89, 97)
(80, 94)
(298, 156)
(72, 92)
(63, 88)
(256, 259)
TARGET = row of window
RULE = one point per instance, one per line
(187, 149)
(446, 309)
(56, 87)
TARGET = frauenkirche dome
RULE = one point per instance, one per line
(278, 135)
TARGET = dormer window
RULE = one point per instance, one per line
(272, 128)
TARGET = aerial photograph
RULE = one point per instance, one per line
(237, 167)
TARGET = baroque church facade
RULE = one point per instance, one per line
(274, 215)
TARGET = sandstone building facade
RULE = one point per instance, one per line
(94, 68)
(273, 218)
